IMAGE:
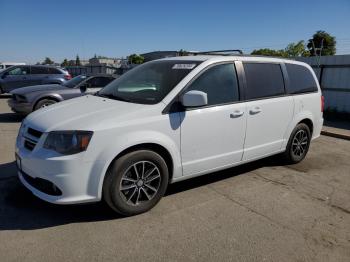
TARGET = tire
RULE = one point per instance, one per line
(44, 103)
(298, 144)
(129, 192)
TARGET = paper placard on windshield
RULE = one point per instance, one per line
(184, 66)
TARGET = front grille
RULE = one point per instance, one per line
(42, 185)
(34, 132)
(31, 138)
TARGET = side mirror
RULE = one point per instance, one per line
(84, 87)
(194, 98)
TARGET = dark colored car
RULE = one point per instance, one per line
(27, 99)
(29, 75)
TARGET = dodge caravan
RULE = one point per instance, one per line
(165, 121)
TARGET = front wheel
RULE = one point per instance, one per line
(136, 182)
(298, 144)
(44, 103)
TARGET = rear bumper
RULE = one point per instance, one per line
(22, 108)
(317, 129)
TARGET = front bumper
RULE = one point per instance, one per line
(58, 179)
(22, 108)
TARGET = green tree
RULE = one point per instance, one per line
(296, 49)
(65, 63)
(77, 61)
(292, 50)
(269, 52)
(136, 59)
(329, 43)
(47, 61)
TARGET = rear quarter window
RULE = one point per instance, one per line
(54, 71)
(300, 79)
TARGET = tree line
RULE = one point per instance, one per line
(321, 43)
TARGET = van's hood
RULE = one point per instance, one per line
(84, 113)
(31, 89)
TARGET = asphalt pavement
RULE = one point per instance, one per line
(262, 211)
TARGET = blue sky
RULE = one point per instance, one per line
(33, 29)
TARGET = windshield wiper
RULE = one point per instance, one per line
(111, 96)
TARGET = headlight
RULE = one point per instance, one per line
(68, 142)
(21, 99)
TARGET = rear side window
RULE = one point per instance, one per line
(54, 71)
(263, 80)
(220, 84)
(34, 70)
(300, 79)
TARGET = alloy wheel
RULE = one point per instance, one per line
(140, 183)
(300, 143)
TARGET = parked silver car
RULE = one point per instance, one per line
(27, 99)
(28, 75)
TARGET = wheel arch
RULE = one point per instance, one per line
(155, 147)
(309, 123)
(305, 117)
(49, 97)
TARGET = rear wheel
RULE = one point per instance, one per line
(136, 182)
(298, 144)
(44, 103)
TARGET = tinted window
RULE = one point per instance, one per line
(75, 81)
(220, 84)
(21, 70)
(54, 71)
(35, 70)
(263, 80)
(99, 81)
(300, 79)
(149, 83)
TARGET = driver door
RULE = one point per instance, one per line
(212, 136)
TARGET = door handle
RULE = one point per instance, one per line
(255, 110)
(236, 114)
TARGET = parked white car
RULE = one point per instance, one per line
(166, 121)
(4, 65)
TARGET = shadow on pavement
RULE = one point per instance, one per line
(7, 170)
(20, 210)
(11, 118)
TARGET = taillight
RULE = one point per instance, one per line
(68, 77)
(322, 103)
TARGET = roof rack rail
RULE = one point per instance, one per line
(218, 52)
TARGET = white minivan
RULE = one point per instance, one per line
(165, 121)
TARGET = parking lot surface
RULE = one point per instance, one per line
(261, 211)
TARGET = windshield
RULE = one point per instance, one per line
(148, 83)
(75, 81)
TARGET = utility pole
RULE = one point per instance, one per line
(318, 56)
